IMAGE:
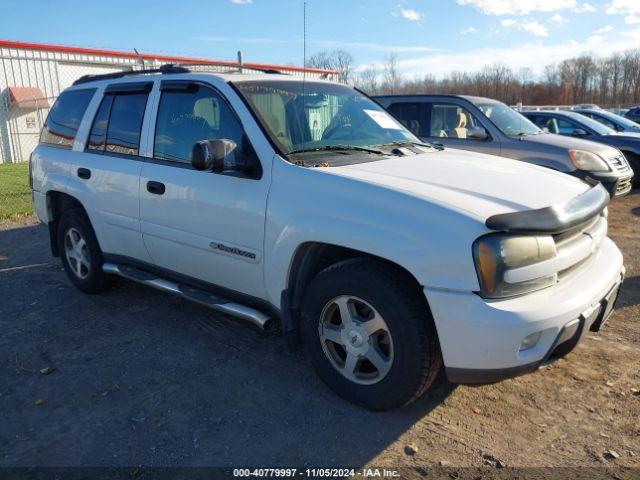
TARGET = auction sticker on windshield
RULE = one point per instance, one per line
(383, 119)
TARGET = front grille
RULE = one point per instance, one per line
(586, 237)
(624, 185)
(619, 162)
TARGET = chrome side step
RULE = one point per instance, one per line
(194, 294)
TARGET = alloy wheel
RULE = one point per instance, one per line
(356, 339)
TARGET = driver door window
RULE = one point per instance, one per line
(451, 121)
(565, 127)
(186, 117)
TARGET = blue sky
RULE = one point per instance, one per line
(428, 36)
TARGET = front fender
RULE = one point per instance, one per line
(432, 242)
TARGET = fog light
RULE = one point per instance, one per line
(530, 341)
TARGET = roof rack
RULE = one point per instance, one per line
(172, 68)
(236, 65)
(164, 69)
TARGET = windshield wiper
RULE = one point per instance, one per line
(401, 143)
(337, 148)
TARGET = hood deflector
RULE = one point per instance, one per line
(554, 219)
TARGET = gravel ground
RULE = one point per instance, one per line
(137, 377)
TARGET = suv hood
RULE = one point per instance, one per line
(474, 184)
(572, 143)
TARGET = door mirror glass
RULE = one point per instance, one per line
(214, 155)
(579, 132)
(477, 133)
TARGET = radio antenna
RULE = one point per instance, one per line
(304, 70)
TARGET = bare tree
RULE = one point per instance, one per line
(610, 81)
(339, 60)
(391, 78)
(367, 81)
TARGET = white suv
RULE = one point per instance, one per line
(267, 197)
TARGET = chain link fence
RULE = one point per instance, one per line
(33, 75)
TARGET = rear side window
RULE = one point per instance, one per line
(412, 116)
(62, 123)
(117, 124)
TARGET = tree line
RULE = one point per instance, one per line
(607, 81)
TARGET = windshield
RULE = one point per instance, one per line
(324, 115)
(625, 122)
(594, 125)
(507, 119)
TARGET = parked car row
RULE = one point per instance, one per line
(572, 124)
(386, 255)
(488, 126)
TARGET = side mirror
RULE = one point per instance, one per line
(212, 154)
(578, 132)
(477, 133)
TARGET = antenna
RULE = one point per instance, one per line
(139, 58)
(304, 67)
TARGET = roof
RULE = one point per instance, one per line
(565, 113)
(152, 56)
(27, 98)
(470, 98)
(129, 76)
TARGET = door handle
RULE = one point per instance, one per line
(157, 188)
(84, 173)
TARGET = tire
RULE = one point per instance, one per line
(634, 163)
(407, 353)
(86, 275)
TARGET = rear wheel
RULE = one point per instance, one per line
(369, 333)
(80, 253)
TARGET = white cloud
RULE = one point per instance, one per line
(468, 31)
(241, 2)
(322, 43)
(605, 29)
(518, 7)
(596, 39)
(557, 18)
(630, 8)
(507, 22)
(410, 14)
(373, 46)
(535, 55)
(534, 27)
(623, 6)
(585, 8)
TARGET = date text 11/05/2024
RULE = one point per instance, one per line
(316, 472)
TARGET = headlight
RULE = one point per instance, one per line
(495, 254)
(588, 161)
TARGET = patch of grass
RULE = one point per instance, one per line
(15, 194)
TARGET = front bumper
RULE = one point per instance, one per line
(616, 184)
(480, 339)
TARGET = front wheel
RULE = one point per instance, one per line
(369, 333)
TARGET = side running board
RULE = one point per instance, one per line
(194, 294)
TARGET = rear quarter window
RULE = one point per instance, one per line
(64, 118)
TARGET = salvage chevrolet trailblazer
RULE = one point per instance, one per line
(271, 198)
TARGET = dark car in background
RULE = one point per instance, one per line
(488, 126)
(633, 114)
(576, 125)
(611, 120)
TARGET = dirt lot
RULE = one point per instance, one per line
(142, 378)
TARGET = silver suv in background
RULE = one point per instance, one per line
(488, 126)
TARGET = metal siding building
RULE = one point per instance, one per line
(33, 75)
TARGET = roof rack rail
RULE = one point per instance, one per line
(239, 66)
(164, 69)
